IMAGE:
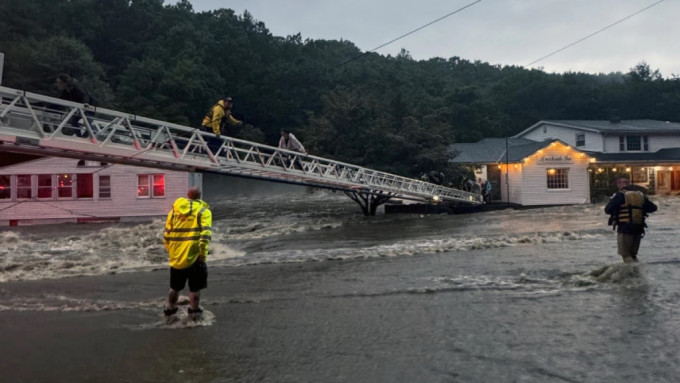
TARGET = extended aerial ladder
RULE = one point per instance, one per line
(35, 124)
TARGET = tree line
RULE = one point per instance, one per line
(391, 113)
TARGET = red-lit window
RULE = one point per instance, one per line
(158, 185)
(44, 186)
(65, 185)
(143, 185)
(104, 186)
(84, 186)
(23, 186)
(5, 187)
(150, 185)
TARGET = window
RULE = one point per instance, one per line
(158, 185)
(84, 187)
(89, 164)
(104, 186)
(143, 185)
(145, 188)
(44, 186)
(5, 187)
(639, 175)
(558, 178)
(633, 143)
(65, 186)
(581, 139)
(23, 186)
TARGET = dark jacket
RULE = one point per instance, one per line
(616, 205)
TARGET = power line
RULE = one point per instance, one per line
(410, 33)
(594, 33)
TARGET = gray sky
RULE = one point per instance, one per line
(505, 32)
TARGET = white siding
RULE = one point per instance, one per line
(514, 182)
(534, 179)
(123, 202)
(567, 135)
(655, 142)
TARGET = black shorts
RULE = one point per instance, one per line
(197, 274)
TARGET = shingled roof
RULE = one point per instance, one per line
(492, 150)
(607, 127)
(662, 155)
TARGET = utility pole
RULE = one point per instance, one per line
(507, 170)
(2, 63)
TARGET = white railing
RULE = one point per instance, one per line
(33, 123)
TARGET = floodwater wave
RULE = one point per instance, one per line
(255, 240)
(321, 227)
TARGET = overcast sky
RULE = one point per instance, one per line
(506, 32)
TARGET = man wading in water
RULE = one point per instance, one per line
(187, 234)
(628, 208)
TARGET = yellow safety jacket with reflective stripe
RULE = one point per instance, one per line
(213, 119)
(188, 231)
(631, 211)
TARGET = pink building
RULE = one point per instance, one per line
(55, 190)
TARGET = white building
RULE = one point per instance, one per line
(530, 173)
(646, 151)
(634, 136)
(54, 190)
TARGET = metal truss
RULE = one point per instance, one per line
(36, 124)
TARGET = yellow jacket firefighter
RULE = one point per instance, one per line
(213, 119)
(187, 232)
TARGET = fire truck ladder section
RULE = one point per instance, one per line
(40, 125)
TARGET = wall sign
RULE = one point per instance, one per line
(553, 159)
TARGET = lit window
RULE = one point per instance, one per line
(150, 185)
(104, 186)
(639, 175)
(44, 186)
(65, 186)
(558, 178)
(143, 185)
(5, 187)
(24, 186)
(158, 185)
(84, 186)
(581, 139)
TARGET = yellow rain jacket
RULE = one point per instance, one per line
(187, 232)
(213, 119)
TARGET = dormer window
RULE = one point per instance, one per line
(633, 144)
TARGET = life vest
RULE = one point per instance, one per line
(187, 232)
(631, 211)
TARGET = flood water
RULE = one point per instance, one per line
(303, 288)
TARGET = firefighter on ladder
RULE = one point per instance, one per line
(215, 120)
